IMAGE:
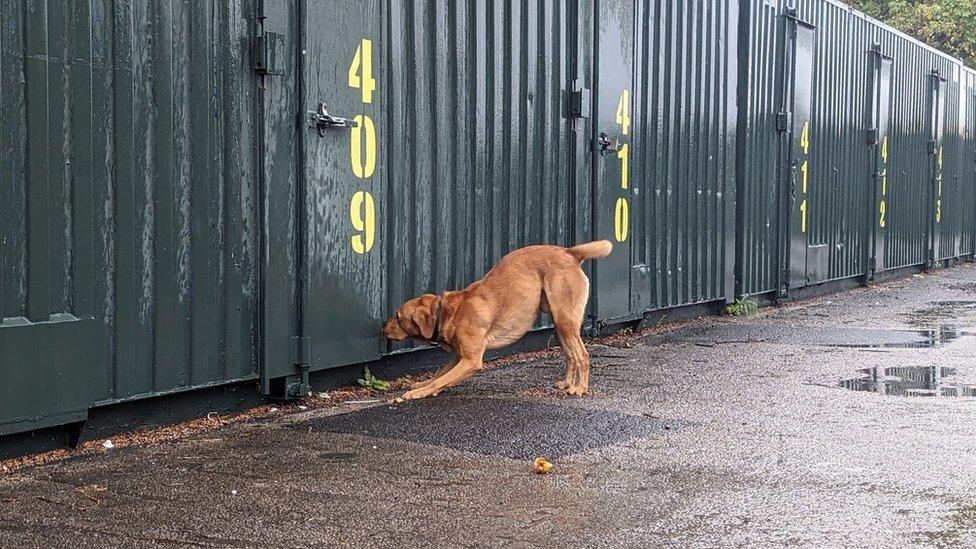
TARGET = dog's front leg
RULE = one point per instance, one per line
(444, 369)
(465, 368)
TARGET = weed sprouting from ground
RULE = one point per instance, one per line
(373, 382)
(741, 307)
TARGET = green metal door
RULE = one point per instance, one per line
(953, 153)
(807, 264)
(881, 143)
(969, 164)
(938, 89)
(343, 289)
(613, 129)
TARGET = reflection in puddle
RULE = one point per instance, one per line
(927, 338)
(941, 312)
(923, 381)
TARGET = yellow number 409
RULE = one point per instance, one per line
(363, 62)
(362, 213)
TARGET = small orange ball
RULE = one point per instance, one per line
(541, 466)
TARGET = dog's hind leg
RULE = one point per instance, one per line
(577, 359)
(566, 292)
(582, 384)
(571, 364)
(444, 369)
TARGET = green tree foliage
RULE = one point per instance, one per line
(949, 25)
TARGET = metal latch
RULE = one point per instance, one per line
(873, 136)
(322, 120)
(607, 144)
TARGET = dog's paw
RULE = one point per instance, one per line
(420, 385)
(576, 390)
(415, 394)
(562, 385)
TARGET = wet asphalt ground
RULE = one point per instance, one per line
(842, 421)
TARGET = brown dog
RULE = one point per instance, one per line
(500, 308)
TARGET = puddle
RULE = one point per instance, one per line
(820, 336)
(941, 312)
(921, 339)
(963, 287)
(917, 381)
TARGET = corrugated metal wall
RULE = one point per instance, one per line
(968, 161)
(911, 203)
(278, 104)
(841, 158)
(957, 194)
(475, 158)
(127, 186)
(477, 89)
(758, 210)
(135, 138)
(684, 169)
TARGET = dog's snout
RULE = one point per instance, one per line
(390, 328)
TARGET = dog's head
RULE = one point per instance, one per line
(414, 319)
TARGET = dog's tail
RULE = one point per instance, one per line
(592, 250)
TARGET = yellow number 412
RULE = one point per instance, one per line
(363, 62)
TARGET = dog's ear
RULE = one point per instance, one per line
(424, 316)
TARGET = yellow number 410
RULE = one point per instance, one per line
(363, 62)
(623, 112)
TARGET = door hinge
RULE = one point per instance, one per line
(269, 53)
(932, 147)
(873, 136)
(301, 357)
(301, 350)
(578, 103)
(784, 121)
